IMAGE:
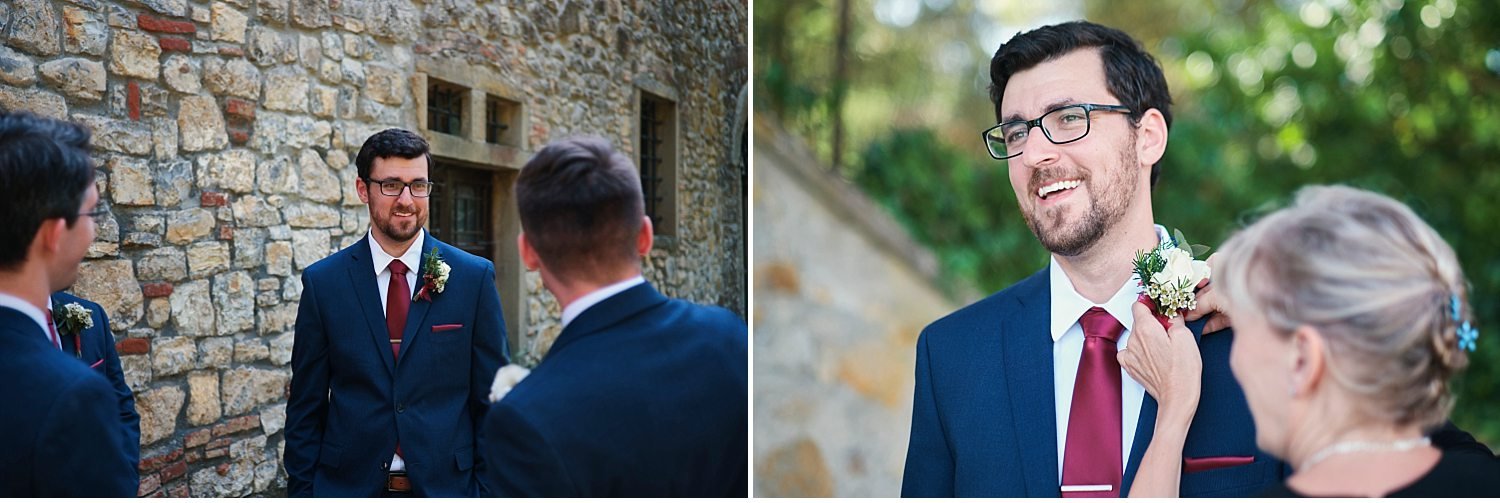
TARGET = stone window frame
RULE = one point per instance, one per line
(503, 160)
(666, 230)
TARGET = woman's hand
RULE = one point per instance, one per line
(1167, 363)
(1210, 303)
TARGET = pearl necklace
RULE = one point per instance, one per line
(1364, 446)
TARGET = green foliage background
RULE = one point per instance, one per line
(1401, 97)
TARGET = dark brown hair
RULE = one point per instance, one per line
(581, 206)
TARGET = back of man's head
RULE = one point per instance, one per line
(581, 208)
(44, 173)
(1130, 73)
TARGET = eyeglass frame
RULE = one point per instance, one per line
(99, 212)
(405, 186)
(1088, 117)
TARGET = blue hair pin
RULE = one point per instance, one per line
(1467, 334)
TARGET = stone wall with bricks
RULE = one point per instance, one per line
(836, 328)
(225, 134)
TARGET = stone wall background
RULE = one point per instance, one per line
(841, 294)
(225, 133)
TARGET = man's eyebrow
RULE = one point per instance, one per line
(1050, 107)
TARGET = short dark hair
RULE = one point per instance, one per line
(1131, 74)
(393, 142)
(581, 206)
(44, 172)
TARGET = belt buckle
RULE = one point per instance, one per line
(397, 482)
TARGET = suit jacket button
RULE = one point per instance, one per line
(386, 466)
(400, 408)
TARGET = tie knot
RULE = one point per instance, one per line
(1099, 323)
(397, 267)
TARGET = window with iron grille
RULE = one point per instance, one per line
(501, 117)
(658, 161)
(445, 107)
(460, 208)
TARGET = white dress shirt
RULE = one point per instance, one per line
(381, 261)
(585, 302)
(14, 302)
(1067, 348)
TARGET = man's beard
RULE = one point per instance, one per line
(1107, 204)
(393, 231)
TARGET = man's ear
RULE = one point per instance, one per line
(1151, 137)
(646, 237)
(363, 189)
(49, 237)
(529, 258)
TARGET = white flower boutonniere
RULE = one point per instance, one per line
(505, 379)
(75, 319)
(434, 275)
(1169, 275)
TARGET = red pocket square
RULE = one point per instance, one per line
(445, 328)
(1194, 465)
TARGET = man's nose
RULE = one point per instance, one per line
(1039, 151)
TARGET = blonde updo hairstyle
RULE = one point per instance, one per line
(1374, 280)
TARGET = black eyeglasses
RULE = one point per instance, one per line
(1061, 125)
(98, 214)
(393, 187)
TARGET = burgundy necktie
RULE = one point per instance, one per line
(1091, 460)
(52, 331)
(397, 303)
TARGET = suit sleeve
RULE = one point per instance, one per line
(929, 463)
(490, 351)
(521, 464)
(116, 375)
(307, 406)
(84, 440)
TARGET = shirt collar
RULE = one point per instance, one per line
(583, 303)
(1068, 305)
(13, 302)
(381, 260)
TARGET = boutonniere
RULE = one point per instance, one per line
(1169, 274)
(505, 379)
(434, 275)
(75, 319)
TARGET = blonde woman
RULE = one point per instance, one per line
(1351, 316)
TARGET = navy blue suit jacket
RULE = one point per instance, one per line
(351, 400)
(61, 425)
(99, 354)
(639, 396)
(984, 418)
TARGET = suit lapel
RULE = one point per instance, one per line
(58, 302)
(417, 315)
(1028, 363)
(1145, 428)
(367, 296)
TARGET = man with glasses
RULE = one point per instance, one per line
(61, 426)
(1021, 394)
(398, 338)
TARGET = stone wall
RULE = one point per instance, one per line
(841, 294)
(225, 133)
